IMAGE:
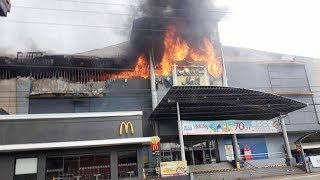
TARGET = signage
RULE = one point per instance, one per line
(315, 161)
(190, 76)
(126, 126)
(247, 153)
(155, 144)
(173, 168)
(230, 127)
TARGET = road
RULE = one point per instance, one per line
(312, 176)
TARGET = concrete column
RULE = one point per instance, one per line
(235, 150)
(140, 163)
(183, 154)
(7, 166)
(224, 73)
(114, 164)
(154, 97)
(153, 84)
(192, 154)
(41, 169)
(286, 141)
(174, 75)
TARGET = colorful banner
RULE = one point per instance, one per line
(173, 168)
(230, 127)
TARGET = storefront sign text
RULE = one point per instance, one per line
(230, 127)
(173, 168)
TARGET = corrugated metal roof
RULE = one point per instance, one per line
(221, 103)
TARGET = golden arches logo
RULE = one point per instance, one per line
(126, 126)
(155, 143)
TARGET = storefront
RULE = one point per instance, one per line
(113, 149)
(208, 124)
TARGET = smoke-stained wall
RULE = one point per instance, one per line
(8, 96)
(121, 95)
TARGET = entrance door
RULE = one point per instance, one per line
(198, 157)
(202, 152)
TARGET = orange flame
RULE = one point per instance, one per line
(141, 70)
(177, 49)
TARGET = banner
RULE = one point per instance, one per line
(230, 127)
(173, 168)
(315, 161)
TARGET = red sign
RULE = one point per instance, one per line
(155, 144)
(247, 154)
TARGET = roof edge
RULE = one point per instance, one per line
(69, 115)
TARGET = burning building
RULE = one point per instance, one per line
(92, 113)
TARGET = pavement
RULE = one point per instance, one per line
(311, 176)
(255, 173)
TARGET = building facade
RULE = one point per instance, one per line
(285, 75)
(52, 90)
(80, 146)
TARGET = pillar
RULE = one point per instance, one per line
(183, 154)
(114, 164)
(140, 163)
(289, 158)
(41, 167)
(235, 150)
(154, 97)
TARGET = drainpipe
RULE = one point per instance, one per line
(153, 91)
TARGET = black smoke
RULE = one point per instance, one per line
(193, 19)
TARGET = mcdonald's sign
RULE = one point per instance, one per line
(155, 144)
(126, 126)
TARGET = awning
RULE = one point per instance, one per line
(221, 103)
(310, 145)
(73, 144)
(309, 137)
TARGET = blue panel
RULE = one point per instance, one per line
(257, 145)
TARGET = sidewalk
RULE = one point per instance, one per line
(254, 173)
(311, 176)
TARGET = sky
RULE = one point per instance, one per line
(285, 26)
(71, 26)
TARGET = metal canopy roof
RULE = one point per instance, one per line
(309, 137)
(221, 103)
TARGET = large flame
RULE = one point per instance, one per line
(177, 49)
(141, 70)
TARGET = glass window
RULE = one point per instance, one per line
(79, 167)
(127, 164)
(26, 169)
